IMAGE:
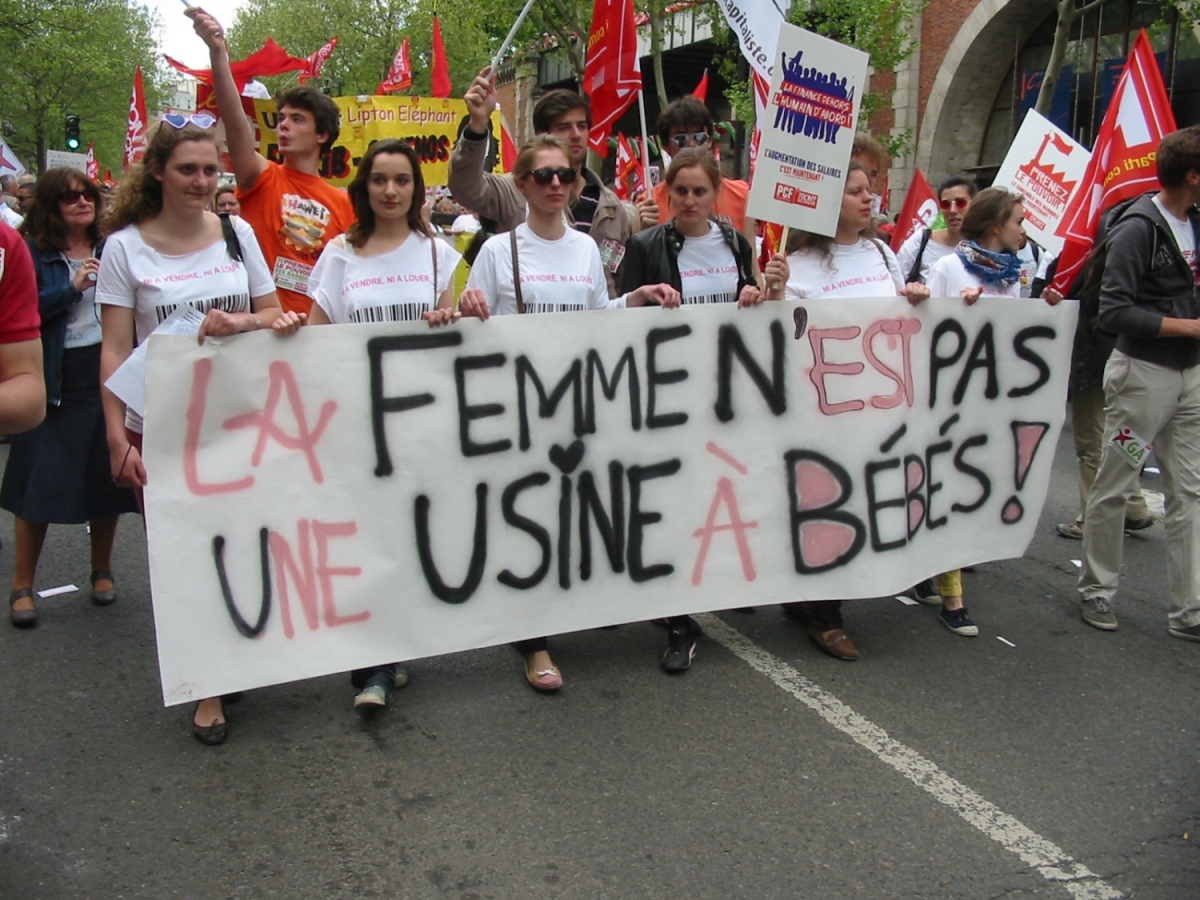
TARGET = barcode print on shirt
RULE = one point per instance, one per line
(553, 307)
(233, 303)
(395, 312)
(711, 298)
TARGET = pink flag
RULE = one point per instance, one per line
(1122, 164)
(399, 76)
(135, 132)
(612, 76)
(317, 61)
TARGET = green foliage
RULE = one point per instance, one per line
(74, 56)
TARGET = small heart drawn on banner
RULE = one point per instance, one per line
(566, 460)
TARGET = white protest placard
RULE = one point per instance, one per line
(364, 494)
(9, 164)
(64, 159)
(1044, 165)
(807, 132)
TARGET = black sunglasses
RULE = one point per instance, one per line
(75, 196)
(545, 176)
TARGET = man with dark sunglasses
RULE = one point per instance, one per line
(594, 209)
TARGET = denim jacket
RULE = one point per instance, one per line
(56, 296)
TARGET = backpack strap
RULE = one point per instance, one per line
(914, 274)
(232, 245)
(433, 248)
(512, 242)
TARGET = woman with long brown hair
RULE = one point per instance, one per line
(58, 473)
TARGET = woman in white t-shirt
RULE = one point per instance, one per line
(559, 271)
(703, 261)
(926, 246)
(165, 249)
(852, 263)
(387, 268)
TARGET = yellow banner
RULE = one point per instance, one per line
(431, 125)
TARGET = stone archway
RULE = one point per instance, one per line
(964, 91)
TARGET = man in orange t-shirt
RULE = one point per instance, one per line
(293, 211)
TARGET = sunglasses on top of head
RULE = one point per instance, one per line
(545, 176)
(200, 120)
(957, 203)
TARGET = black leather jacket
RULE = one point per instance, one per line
(652, 257)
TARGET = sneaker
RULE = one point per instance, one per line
(401, 676)
(1138, 524)
(1072, 530)
(681, 647)
(1097, 613)
(373, 696)
(959, 622)
(1191, 633)
(925, 592)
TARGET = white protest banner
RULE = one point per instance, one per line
(807, 132)
(9, 164)
(363, 494)
(56, 159)
(1044, 165)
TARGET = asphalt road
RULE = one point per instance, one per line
(1061, 762)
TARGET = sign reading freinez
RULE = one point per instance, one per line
(363, 494)
(812, 112)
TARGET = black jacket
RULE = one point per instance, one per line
(1146, 279)
(652, 257)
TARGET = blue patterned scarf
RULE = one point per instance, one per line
(990, 268)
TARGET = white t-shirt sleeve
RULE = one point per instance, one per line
(324, 274)
(599, 298)
(907, 254)
(115, 285)
(483, 273)
(259, 275)
(447, 258)
(938, 279)
(893, 266)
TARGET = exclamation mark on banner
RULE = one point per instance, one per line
(1027, 438)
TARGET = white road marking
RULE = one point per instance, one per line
(1051, 862)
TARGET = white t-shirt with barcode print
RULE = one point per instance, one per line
(1185, 238)
(135, 275)
(556, 276)
(708, 271)
(396, 286)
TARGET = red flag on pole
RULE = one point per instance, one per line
(440, 85)
(612, 76)
(399, 76)
(270, 59)
(1122, 165)
(92, 168)
(317, 61)
(135, 131)
(508, 147)
(920, 210)
(701, 91)
(628, 171)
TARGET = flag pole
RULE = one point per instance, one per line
(512, 33)
(645, 142)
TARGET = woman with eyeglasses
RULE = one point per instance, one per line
(165, 249)
(352, 283)
(852, 263)
(926, 246)
(58, 473)
(542, 266)
(702, 261)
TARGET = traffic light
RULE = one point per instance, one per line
(74, 141)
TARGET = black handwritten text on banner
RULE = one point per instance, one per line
(363, 494)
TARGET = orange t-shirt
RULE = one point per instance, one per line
(730, 208)
(294, 215)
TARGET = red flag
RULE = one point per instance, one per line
(440, 85)
(612, 76)
(399, 76)
(1122, 164)
(508, 147)
(701, 91)
(317, 61)
(91, 167)
(135, 131)
(772, 238)
(920, 210)
(108, 179)
(271, 59)
(628, 171)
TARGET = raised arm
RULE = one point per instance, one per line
(239, 136)
(492, 196)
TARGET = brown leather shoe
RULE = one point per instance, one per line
(22, 618)
(835, 642)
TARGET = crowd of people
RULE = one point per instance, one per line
(285, 250)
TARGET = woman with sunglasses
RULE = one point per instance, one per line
(541, 266)
(58, 473)
(354, 281)
(703, 261)
(852, 263)
(926, 246)
(166, 249)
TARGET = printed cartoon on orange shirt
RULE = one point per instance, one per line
(304, 224)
